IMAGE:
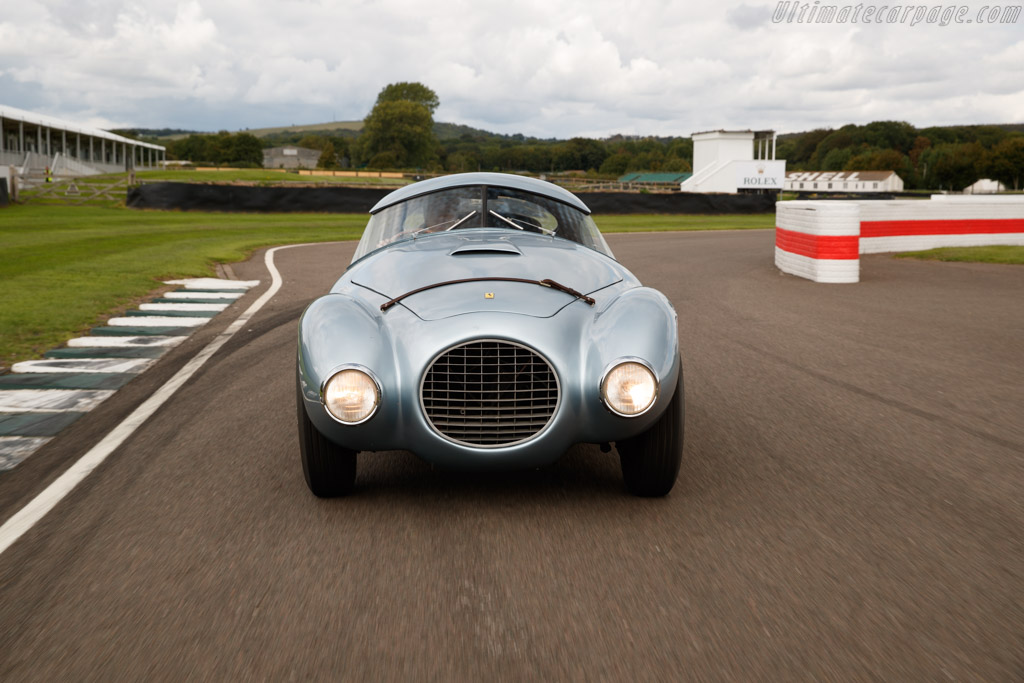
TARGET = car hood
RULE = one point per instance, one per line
(487, 253)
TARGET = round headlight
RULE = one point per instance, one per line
(629, 388)
(351, 396)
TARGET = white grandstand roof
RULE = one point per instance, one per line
(15, 114)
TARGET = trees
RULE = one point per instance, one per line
(1007, 162)
(954, 166)
(410, 92)
(224, 148)
(245, 150)
(328, 157)
(399, 132)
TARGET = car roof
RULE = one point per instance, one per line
(514, 182)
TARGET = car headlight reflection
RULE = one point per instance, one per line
(629, 388)
(351, 396)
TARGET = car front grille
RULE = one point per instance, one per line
(489, 393)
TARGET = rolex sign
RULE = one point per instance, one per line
(760, 174)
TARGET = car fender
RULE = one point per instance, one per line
(640, 323)
(336, 330)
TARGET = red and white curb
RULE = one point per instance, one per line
(25, 410)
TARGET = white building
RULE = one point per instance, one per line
(985, 186)
(34, 142)
(290, 156)
(734, 160)
(843, 181)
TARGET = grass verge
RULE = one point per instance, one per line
(65, 269)
(993, 254)
(661, 223)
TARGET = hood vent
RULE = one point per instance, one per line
(486, 248)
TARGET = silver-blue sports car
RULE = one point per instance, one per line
(485, 323)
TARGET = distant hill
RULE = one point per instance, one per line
(443, 131)
(333, 127)
(1010, 127)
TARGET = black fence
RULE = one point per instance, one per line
(677, 203)
(234, 198)
(5, 198)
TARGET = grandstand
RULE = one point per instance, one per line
(33, 143)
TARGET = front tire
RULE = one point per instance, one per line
(330, 469)
(650, 461)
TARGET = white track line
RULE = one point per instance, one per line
(52, 400)
(25, 519)
(123, 342)
(157, 321)
(185, 296)
(214, 283)
(183, 307)
(14, 449)
(79, 365)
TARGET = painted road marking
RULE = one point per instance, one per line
(109, 342)
(156, 321)
(35, 424)
(24, 410)
(14, 449)
(132, 365)
(173, 314)
(200, 295)
(118, 352)
(25, 519)
(213, 283)
(52, 400)
(148, 331)
(43, 380)
(183, 307)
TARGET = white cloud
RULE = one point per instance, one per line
(532, 66)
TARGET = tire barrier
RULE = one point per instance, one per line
(822, 240)
(818, 240)
(251, 199)
(676, 203)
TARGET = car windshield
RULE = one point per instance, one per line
(477, 206)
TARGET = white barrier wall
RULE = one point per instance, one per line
(814, 239)
(910, 225)
(818, 240)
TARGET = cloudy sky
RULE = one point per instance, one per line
(539, 67)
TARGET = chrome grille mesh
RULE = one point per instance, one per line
(489, 393)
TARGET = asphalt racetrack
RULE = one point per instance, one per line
(849, 508)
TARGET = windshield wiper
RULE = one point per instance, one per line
(457, 223)
(543, 283)
(462, 220)
(517, 226)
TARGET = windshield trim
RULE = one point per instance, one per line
(484, 194)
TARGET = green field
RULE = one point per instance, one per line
(996, 254)
(66, 269)
(57, 193)
(661, 223)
